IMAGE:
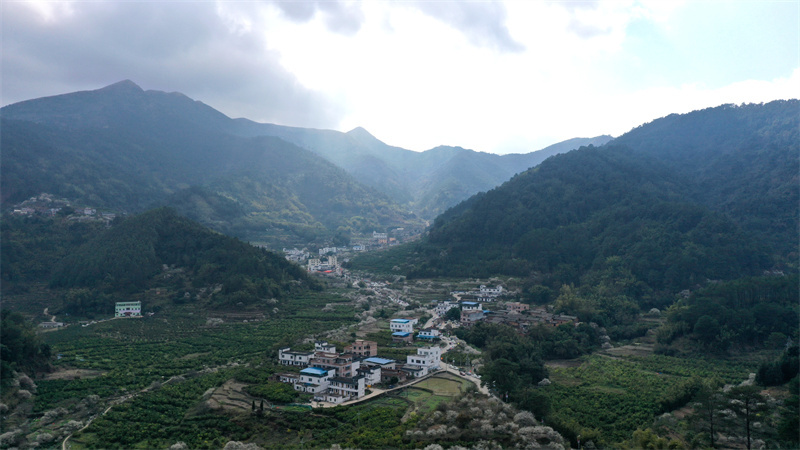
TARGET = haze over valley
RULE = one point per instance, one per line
(419, 225)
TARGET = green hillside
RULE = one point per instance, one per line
(426, 182)
(89, 267)
(652, 213)
(125, 149)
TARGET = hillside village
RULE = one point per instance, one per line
(47, 205)
(337, 377)
(329, 259)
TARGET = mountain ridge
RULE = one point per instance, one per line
(671, 210)
(412, 179)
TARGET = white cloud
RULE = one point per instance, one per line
(515, 76)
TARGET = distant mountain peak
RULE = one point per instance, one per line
(360, 132)
(124, 85)
(364, 137)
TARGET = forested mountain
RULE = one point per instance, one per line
(708, 195)
(184, 260)
(126, 149)
(133, 146)
(428, 182)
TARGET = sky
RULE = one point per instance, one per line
(495, 76)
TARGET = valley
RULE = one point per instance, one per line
(173, 278)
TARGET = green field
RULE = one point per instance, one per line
(609, 398)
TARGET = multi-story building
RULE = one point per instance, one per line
(342, 365)
(342, 389)
(424, 362)
(287, 357)
(491, 292)
(313, 380)
(362, 348)
(517, 307)
(128, 309)
(442, 308)
(402, 336)
(324, 346)
(471, 316)
(404, 325)
(428, 334)
(471, 306)
(371, 374)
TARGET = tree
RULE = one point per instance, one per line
(748, 405)
(453, 314)
(789, 423)
(535, 400)
(707, 329)
(20, 347)
(707, 409)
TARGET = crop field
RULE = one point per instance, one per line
(159, 372)
(615, 396)
(429, 393)
(447, 385)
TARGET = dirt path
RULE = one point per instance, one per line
(116, 402)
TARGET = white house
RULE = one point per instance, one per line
(341, 389)
(287, 357)
(371, 374)
(402, 325)
(323, 346)
(128, 309)
(442, 308)
(427, 358)
(313, 380)
(471, 306)
(428, 333)
(491, 292)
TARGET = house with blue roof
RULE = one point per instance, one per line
(402, 336)
(428, 334)
(471, 306)
(313, 380)
(382, 362)
(404, 325)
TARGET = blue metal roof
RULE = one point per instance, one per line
(400, 320)
(469, 303)
(401, 334)
(314, 371)
(377, 360)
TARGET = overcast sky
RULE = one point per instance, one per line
(500, 77)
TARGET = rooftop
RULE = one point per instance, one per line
(381, 361)
(400, 320)
(314, 371)
(401, 334)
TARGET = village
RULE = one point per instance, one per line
(48, 205)
(334, 378)
(328, 260)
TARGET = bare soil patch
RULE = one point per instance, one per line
(631, 350)
(231, 396)
(73, 374)
(564, 363)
